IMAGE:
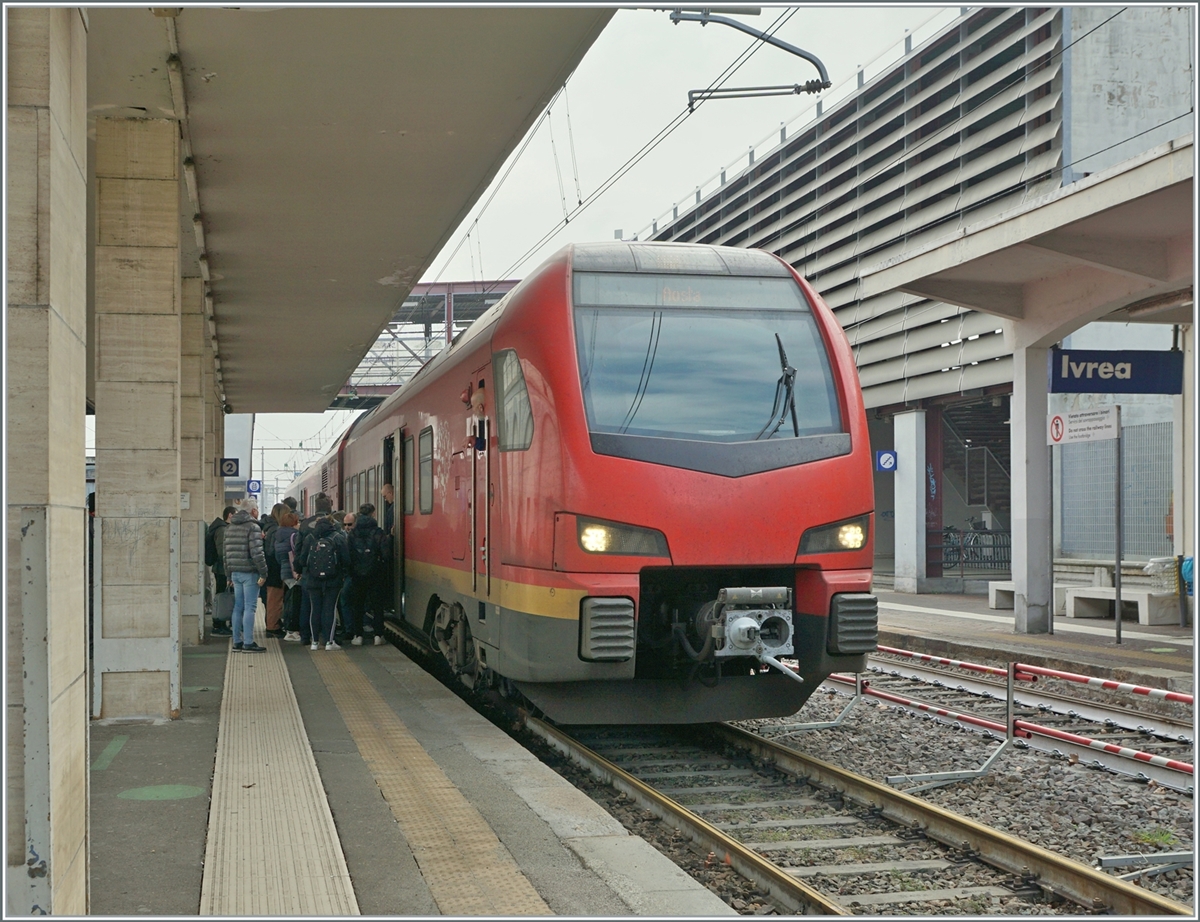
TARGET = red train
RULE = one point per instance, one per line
(630, 487)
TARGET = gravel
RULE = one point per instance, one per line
(1065, 807)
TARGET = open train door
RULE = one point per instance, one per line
(397, 466)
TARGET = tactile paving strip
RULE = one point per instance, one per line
(467, 869)
(272, 846)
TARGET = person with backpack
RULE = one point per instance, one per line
(366, 543)
(285, 548)
(323, 506)
(324, 563)
(246, 565)
(214, 556)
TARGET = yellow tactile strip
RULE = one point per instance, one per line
(468, 870)
(272, 846)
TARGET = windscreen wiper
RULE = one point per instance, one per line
(785, 398)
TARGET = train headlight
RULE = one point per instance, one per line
(597, 537)
(850, 535)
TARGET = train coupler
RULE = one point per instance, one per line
(754, 621)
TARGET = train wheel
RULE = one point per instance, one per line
(452, 632)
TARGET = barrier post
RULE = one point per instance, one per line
(1119, 524)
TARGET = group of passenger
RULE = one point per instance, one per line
(318, 578)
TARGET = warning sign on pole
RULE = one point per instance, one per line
(1083, 426)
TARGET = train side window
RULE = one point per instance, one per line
(514, 415)
(426, 470)
(409, 474)
(369, 495)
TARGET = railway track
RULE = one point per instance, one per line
(1139, 744)
(820, 839)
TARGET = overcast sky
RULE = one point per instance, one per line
(631, 83)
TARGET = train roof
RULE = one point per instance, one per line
(675, 258)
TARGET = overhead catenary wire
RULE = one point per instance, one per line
(650, 145)
(500, 185)
(571, 141)
(562, 195)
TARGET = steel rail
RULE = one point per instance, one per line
(1055, 874)
(792, 893)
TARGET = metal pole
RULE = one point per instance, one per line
(1117, 570)
(1050, 620)
(1009, 710)
(1183, 606)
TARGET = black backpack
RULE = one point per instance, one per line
(323, 558)
(364, 553)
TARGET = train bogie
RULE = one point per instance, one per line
(631, 487)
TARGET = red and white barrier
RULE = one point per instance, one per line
(1157, 694)
(1021, 728)
(942, 661)
(1123, 752)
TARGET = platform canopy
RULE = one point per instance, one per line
(335, 151)
(1114, 246)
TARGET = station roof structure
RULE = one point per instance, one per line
(1115, 246)
(334, 152)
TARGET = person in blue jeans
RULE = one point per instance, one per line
(324, 561)
(246, 566)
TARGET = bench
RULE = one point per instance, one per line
(1002, 593)
(1098, 602)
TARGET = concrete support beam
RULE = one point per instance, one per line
(45, 616)
(138, 378)
(1030, 492)
(194, 356)
(910, 500)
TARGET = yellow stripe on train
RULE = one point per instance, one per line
(530, 598)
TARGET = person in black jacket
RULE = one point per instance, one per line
(366, 556)
(273, 604)
(324, 563)
(214, 556)
(324, 505)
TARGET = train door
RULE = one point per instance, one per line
(396, 452)
(483, 492)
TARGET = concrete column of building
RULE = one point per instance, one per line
(45, 616)
(137, 640)
(910, 500)
(194, 352)
(1031, 514)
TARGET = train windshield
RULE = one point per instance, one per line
(699, 357)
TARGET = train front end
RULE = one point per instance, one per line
(717, 506)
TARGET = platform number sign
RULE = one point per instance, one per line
(253, 486)
(885, 460)
(228, 467)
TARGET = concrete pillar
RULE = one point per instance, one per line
(1030, 491)
(45, 617)
(136, 642)
(910, 500)
(1183, 450)
(194, 352)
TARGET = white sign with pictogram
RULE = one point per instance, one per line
(1084, 426)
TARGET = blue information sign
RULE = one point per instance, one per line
(885, 460)
(1091, 371)
(253, 486)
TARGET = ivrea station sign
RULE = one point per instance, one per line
(1090, 371)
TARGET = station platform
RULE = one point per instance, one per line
(350, 782)
(964, 627)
